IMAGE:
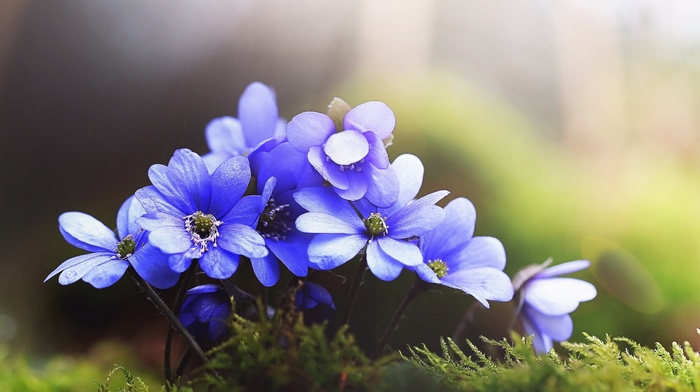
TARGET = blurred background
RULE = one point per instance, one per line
(572, 126)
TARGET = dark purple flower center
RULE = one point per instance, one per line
(439, 267)
(376, 225)
(126, 247)
(273, 221)
(203, 228)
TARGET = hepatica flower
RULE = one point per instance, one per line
(204, 313)
(354, 159)
(194, 215)
(258, 127)
(454, 258)
(548, 299)
(315, 301)
(343, 229)
(282, 171)
(110, 255)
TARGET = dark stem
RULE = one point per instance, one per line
(354, 289)
(416, 289)
(174, 321)
(179, 299)
(183, 363)
(467, 318)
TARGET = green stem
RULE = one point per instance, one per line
(174, 321)
(416, 289)
(354, 290)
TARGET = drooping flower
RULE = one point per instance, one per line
(257, 128)
(547, 300)
(204, 313)
(194, 215)
(110, 257)
(315, 302)
(353, 159)
(343, 229)
(454, 258)
(282, 171)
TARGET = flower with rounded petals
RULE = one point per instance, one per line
(283, 171)
(354, 159)
(204, 313)
(315, 302)
(258, 128)
(454, 258)
(110, 257)
(548, 299)
(343, 229)
(194, 215)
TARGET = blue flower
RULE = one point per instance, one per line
(354, 159)
(194, 215)
(346, 228)
(204, 313)
(315, 302)
(258, 128)
(110, 257)
(454, 258)
(547, 301)
(283, 170)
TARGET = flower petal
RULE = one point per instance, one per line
(153, 201)
(557, 296)
(85, 232)
(325, 200)
(257, 110)
(482, 283)
(328, 169)
(225, 136)
(371, 116)
(479, 252)
(127, 215)
(218, 263)
(327, 251)
(346, 147)
(409, 173)
(292, 252)
(540, 342)
(564, 268)
(377, 154)
(267, 269)
(382, 185)
(309, 129)
(78, 266)
(228, 183)
(152, 265)
(185, 182)
(357, 187)
(170, 240)
(559, 328)
(107, 273)
(314, 222)
(382, 265)
(241, 240)
(404, 252)
(418, 217)
(454, 233)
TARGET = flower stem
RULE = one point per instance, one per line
(416, 289)
(174, 321)
(179, 298)
(354, 290)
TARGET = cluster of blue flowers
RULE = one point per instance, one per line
(310, 194)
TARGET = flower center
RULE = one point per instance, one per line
(204, 228)
(376, 225)
(439, 267)
(126, 247)
(273, 221)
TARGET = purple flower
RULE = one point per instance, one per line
(204, 313)
(110, 257)
(354, 159)
(283, 170)
(315, 302)
(547, 301)
(346, 228)
(454, 258)
(194, 215)
(258, 127)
